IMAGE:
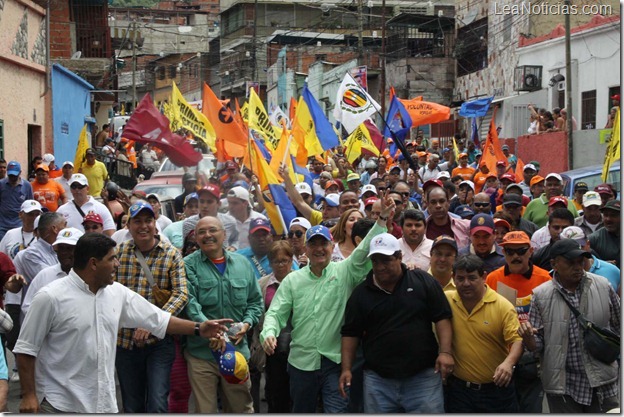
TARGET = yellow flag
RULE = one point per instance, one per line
(192, 119)
(303, 129)
(81, 148)
(358, 140)
(613, 150)
(258, 120)
(455, 150)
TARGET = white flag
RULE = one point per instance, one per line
(353, 104)
(277, 115)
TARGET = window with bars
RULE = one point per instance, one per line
(471, 47)
(588, 110)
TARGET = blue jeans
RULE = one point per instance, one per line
(305, 387)
(421, 393)
(144, 376)
(488, 399)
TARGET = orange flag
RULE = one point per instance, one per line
(231, 135)
(239, 114)
(292, 110)
(425, 112)
(492, 150)
(519, 170)
(392, 93)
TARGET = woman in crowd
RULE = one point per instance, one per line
(342, 234)
(296, 237)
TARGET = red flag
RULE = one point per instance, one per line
(148, 125)
(375, 135)
(492, 150)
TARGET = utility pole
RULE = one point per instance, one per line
(134, 95)
(568, 58)
(382, 58)
(254, 50)
(360, 7)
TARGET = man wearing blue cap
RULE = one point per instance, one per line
(174, 232)
(13, 192)
(148, 266)
(316, 296)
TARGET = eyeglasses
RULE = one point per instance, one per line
(397, 202)
(297, 233)
(519, 251)
(481, 204)
(77, 186)
(382, 188)
(212, 231)
(281, 263)
(405, 194)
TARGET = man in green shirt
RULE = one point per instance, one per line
(316, 296)
(220, 283)
(537, 210)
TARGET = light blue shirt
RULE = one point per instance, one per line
(263, 262)
(607, 270)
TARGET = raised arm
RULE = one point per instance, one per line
(293, 194)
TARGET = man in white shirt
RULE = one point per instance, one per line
(240, 209)
(162, 220)
(433, 167)
(68, 171)
(66, 350)
(415, 246)
(64, 248)
(20, 238)
(74, 211)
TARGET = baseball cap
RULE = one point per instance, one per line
(395, 168)
(581, 186)
(611, 205)
(90, 151)
(445, 150)
(505, 147)
(138, 207)
(464, 211)
(153, 195)
(554, 175)
(68, 236)
(491, 175)
(300, 221)
(462, 155)
(443, 175)
(384, 244)
(43, 167)
(369, 201)
(557, 199)
(303, 188)
(467, 182)
(259, 224)
(369, 188)
(353, 176)
(70, 163)
(233, 366)
(327, 175)
(603, 189)
(501, 163)
(502, 223)
(93, 217)
(536, 164)
(517, 237)
(231, 165)
(512, 200)
(370, 165)
(591, 198)
(432, 183)
(79, 178)
(529, 166)
(189, 197)
(482, 222)
(568, 248)
(508, 176)
(332, 200)
(36, 222)
(238, 192)
(319, 231)
(30, 205)
(575, 233)
(615, 97)
(188, 177)
(330, 183)
(444, 240)
(513, 185)
(536, 179)
(14, 168)
(47, 158)
(212, 189)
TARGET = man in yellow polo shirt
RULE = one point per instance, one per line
(443, 254)
(95, 171)
(486, 344)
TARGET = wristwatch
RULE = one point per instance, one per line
(197, 329)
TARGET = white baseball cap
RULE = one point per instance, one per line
(79, 178)
(30, 205)
(554, 175)
(303, 188)
(47, 158)
(70, 163)
(443, 174)
(385, 244)
(300, 221)
(153, 195)
(467, 182)
(333, 200)
(36, 222)
(591, 198)
(239, 192)
(369, 188)
(68, 236)
(529, 166)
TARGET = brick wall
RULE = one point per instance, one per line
(549, 149)
(60, 29)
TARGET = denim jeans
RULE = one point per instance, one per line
(421, 393)
(144, 376)
(488, 399)
(305, 386)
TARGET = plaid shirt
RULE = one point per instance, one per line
(577, 382)
(167, 267)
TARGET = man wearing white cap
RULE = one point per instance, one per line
(20, 238)
(68, 170)
(48, 160)
(392, 313)
(75, 210)
(64, 248)
(305, 192)
(240, 209)
(528, 172)
(537, 210)
(591, 220)
(296, 237)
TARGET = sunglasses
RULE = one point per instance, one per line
(519, 251)
(77, 186)
(398, 202)
(382, 188)
(405, 194)
(481, 204)
(297, 233)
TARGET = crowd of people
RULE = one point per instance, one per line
(437, 287)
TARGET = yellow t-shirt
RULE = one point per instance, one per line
(316, 217)
(96, 175)
(481, 339)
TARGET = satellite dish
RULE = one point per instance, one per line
(470, 17)
(76, 55)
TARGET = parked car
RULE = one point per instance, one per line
(592, 175)
(163, 184)
(207, 165)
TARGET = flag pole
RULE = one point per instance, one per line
(400, 144)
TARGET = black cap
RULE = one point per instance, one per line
(444, 240)
(569, 249)
(611, 205)
(581, 186)
(511, 199)
(188, 177)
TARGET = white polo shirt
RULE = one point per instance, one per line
(421, 256)
(43, 278)
(74, 218)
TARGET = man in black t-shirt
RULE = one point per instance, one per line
(392, 313)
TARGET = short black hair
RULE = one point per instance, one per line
(562, 214)
(91, 245)
(457, 178)
(412, 214)
(469, 263)
(361, 228)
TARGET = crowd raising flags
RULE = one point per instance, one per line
(290, 136)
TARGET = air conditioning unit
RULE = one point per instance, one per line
(426, 9)
(528, 78)
(561, 86)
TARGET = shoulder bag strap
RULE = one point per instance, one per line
(582, 321)
(146, 270)
(78, 208)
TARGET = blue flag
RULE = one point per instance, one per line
(475, 132)
(475, 108)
